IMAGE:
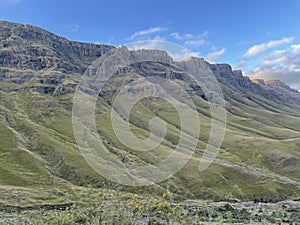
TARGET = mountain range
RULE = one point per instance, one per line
(40, 71)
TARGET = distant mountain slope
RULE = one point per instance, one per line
(39, 72)
(32, 58)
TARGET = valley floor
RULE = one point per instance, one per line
(69, 204)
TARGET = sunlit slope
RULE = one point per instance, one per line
(39, 73)
(259, 157)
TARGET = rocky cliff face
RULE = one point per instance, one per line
(236, 86)
(259, 157)
(270, 89)
(32, 58)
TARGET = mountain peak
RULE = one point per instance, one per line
(51, 64)
(259, 81)
(39, 73)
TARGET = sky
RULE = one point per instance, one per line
(261, 37)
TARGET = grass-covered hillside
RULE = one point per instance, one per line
(40, 161)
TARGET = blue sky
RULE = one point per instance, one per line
(262, 37)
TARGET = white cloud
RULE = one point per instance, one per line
(256, 49)
(177, 52)
(158, 38)
(184, 54)
(296, 49)
(291, 78)
(280, 64)
(151, 30)
(191, 40)
(74, 27)
(195, 43)
(213, 56)
(181, 37)
(286, 59)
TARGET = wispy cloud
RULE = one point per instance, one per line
(195, 43)
(178, 36)
(296, 49)
(151, 30)
(191, 40)
(74, 27)
(177, 52)
(256, 49)
(291, 78)
(158, 38)
(280, 64)
(184, 54)
(212, 57)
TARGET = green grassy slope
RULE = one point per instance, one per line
(259, 157)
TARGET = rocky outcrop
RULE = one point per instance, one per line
(238, 72)
(279, 85)
(64, 89)
(43, 60)
(35, 41)
(33, 58)
(143, 55)
(259, 81)
(236, 86)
